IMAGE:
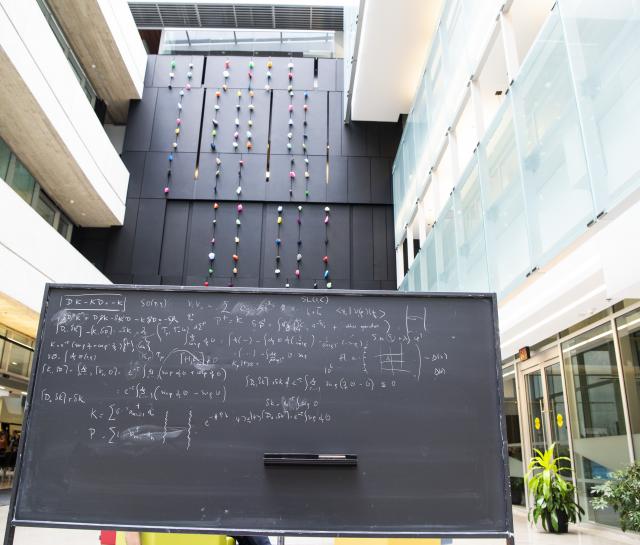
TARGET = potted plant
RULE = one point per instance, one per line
(553, 496)
(622, 493)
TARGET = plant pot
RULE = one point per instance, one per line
(563, 523)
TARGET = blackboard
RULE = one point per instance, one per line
(154, 407)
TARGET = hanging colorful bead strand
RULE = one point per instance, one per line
(305, 108)
(236, 256)
(251, 107)
(212, 247)
(278, 241)
(292, 177)
(174, 145)
(267, 85)
(214, 121)
(236, 134)
(290, 122)
(225, 75)
(325, 258)
(299, 247)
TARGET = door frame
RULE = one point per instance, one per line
(539, 363)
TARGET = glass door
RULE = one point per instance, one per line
(546, 405)
(536, 410)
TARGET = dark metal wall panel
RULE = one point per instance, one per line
(381, 183)
(315, 117)
(251, 176)
(166, 116)
(201, 233)
(380, 249)
(282, 188)
(327, 74)
(166, 238)
(120, 251)
(302, 73)
(226, 116)
(148, 73)
(176, 222)
(391, 249)
(140, 121)
(359, 176)
(336, 121)
(340, 74)
(238, 72)
(134, 161)
(354, 139)
(163, 69)
(148, 237)
(156, 178)
(337, 186)
(362, 262)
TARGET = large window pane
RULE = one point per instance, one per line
(629, 335)
(508, 250)
(597, 417)
(45, 207)
(446, 248)
(556, 179)
(472, 255)
(22, 182)
(5, 155)
(16, 358)
(604, 44)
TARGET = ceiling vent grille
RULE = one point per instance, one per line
(257, 16)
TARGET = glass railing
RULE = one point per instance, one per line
(458, 38)
(559, 150)
(192, 41)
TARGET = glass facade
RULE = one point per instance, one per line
(311, 43)
(564, 132)
(16, 175)
(16, 353)
(581, 391)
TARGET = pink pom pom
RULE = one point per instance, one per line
(326, 219)
(166, 190)
(178, 121)
(239, 208)
(291, 107)
(292, 174)
(297, 273)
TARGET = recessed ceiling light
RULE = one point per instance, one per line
(71, 201)
(83, 214)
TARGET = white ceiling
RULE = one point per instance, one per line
(394, 42)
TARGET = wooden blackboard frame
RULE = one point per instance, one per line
(12, 522)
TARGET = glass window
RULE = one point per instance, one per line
(45, 207)
(64, 227)
(597, 417)
(5, 156)
(629, 335)
(472, 254)
(16, 358)
(446, 250)
(22, 182)
(506, 228)
(552, 152)
(603, 43)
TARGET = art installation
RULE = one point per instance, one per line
(243, 139)
(174, 145)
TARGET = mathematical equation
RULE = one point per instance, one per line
(167, 369)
